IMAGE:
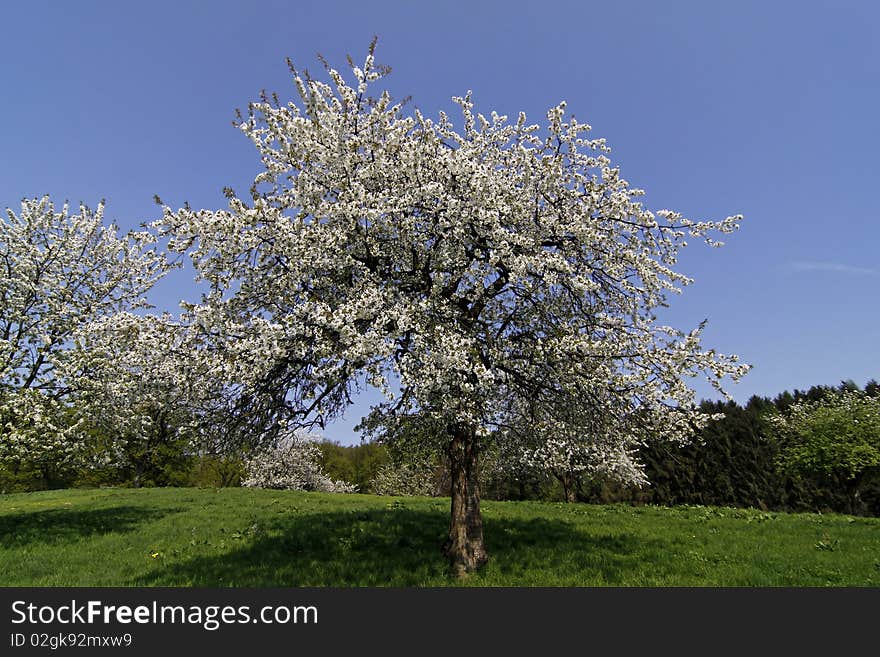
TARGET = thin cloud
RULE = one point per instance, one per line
(835, 267)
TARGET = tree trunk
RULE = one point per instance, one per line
(465, 547)
(569, 493)
(138, 470)
(857, 506)
(46, 474)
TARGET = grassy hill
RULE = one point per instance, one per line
(245, 537)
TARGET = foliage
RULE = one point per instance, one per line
(357, 464)
(215, 471)
(731, 462)
(838, 435)
(735, 461)
(416, 462)
(835, 437)
(505, 475)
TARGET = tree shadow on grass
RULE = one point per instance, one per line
(401, 547)
(68, 525)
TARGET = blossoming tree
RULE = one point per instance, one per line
(293, 463)
(140, 385)
(487, 271)
(59, 271)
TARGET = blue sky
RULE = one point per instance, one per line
(765, 109)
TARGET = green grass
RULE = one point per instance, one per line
(245, 537)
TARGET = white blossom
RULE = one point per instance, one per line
(473, 266)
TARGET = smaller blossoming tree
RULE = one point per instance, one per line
(294, 463)
(577, 438)
(59, 271)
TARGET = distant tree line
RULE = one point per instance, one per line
(743, 459)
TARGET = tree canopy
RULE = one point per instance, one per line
(497, 273)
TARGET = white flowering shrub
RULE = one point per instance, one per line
(479, 266)
(293, 464)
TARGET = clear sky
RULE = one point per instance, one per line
(769, 109)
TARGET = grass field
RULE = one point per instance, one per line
(245, 537)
